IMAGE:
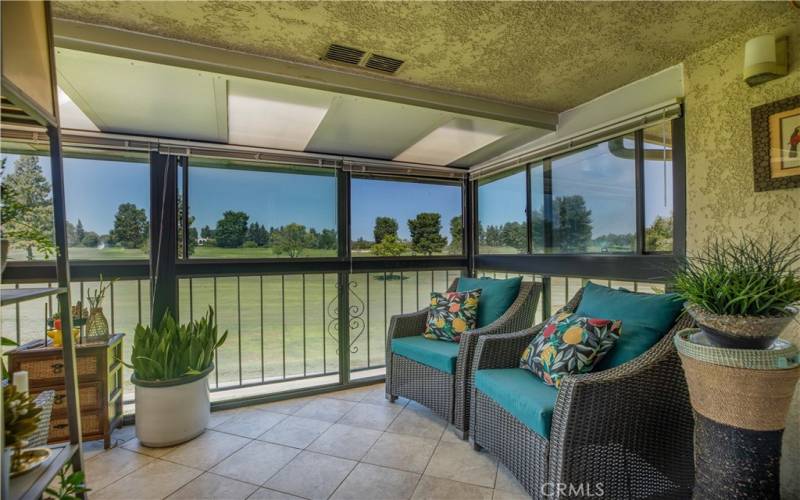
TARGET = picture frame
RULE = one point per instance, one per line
(776, 144)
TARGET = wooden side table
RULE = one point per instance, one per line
(100, 384)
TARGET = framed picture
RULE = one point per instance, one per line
(776, 144)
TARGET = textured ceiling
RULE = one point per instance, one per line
(550, 55)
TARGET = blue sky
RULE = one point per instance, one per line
(402, 200)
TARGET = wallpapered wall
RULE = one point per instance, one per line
(719, 156)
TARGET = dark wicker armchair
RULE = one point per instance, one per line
(629, 427)
(447, 394)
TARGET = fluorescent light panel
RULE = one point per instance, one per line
(71, 115)
(453, 140)
(273, 117)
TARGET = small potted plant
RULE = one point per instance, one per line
(742, 293)
(170, 366)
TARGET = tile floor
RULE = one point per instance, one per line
(350, 444)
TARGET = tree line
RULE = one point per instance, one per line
(425, 236)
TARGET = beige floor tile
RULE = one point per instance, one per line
(371, 416)
(267, 494)
(256, 462)
(206, 450)
(213, 487)
(508, 483)
(417, 421)
(434, 488)
(156, 480)
(373, 482)
(401, 451)
(297, 432)
(377, 396)
(106, 467)
(218, 417)
(508, 495)
(311, 475)
(327, 409)
(287, 406)
(355, 395)
(250, 423)
(345, 441)
(450, 436)
(459, 462)
(135, 445)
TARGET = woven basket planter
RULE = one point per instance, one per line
(740, 414)
(740, 332)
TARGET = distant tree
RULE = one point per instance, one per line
(72, 239)
(291, 240)
(538, 229)
(192, 229)
(249, 244)
(206, 232)
(573, 223)
(389, 247)
(80, 233)
(257, 234)
(27, 207)
(658, 236)
(456, 235)
(231, 229)
(492, 236)
(361, 244)
(384, 226)
(425, 237)
(514, 235)
(328, 240)
(90, 239)
(130, 227)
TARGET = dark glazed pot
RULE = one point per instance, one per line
(740, 332)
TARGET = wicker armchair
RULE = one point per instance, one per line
(629, 427)
(445, 394)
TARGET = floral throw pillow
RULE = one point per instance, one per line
(451, 314)
(569, 344)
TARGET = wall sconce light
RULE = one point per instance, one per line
(765, 58)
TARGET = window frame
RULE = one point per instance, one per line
(640, 264)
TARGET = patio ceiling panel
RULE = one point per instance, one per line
(131, 97)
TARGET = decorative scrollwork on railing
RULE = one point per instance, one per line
(355, 311)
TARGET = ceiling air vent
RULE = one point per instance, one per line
(383, 63)
(356, 57)
(342, 54)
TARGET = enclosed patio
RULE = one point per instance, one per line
(400, 250)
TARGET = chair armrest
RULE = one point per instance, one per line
(640, 408)
(407, 325)
(502, 350)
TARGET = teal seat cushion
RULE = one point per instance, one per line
(522, 394)
(437, 354)
(496, 296)
(645, 319)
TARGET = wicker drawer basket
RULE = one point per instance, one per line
(59, 426)
(46, 370)
(89, 395)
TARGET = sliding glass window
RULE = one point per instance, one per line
(107, 205)
(594, 199)
(502, 226)
(244, 211)
(392, 217)
(658, 188)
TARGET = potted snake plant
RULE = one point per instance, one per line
(742, 293)
(170, 365)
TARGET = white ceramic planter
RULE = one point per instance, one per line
(168, 414)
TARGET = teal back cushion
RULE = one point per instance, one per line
(645, 319)
(496, 296)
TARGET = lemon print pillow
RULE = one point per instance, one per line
(451, 314)
(569, 344)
